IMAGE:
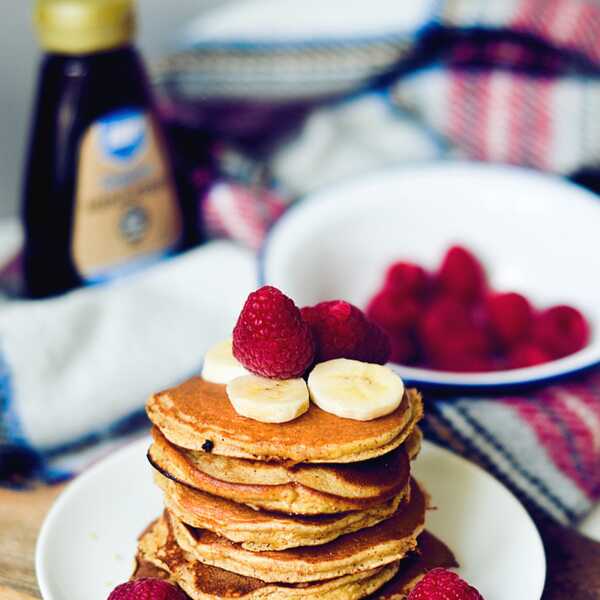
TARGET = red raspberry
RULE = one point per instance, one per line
(377, 345)
(461, 275)
(510, 316)
(341, 330)
(392, 313)
(464, 363)
(527, 355)
(403, 349)
(561, 330)
(449, 333)
(270, 337)
(441, 584)
(407, 279)
(147, 589)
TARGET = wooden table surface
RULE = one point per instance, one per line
(21, 516)
(573, 560)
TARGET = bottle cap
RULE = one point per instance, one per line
(84, 26)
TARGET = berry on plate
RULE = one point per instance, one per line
(147, 589)
(464, 363)
(461, 275)
(402, 349)
(392, 313)
(341, 330)
(561, 330)
(510, 316)
(270, 337)
(449, 332)
(442, 584)
(407, 279)
(527, 355)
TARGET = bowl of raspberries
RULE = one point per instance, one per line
(481, 276)
(450, 319)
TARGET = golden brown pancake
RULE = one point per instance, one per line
(158, 548)
(430, 554)
(262, 530)
(368, 548)
(305, 488)
(198, 415)
(413, 442)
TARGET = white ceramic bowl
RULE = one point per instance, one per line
(535, 234)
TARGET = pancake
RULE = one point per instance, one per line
(366, 549)
(157, 547)
(413, 442)
(305, 488)
(261, 530)
(197, 415)
(431, 553)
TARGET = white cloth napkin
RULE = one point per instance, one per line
(79, 366)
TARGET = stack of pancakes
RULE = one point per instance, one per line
(320, 506)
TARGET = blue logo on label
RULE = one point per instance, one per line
(123, 134)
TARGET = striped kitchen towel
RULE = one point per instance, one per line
(544, 444)
(292, 103)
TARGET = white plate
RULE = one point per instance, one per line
(88, 540)
(535, 234)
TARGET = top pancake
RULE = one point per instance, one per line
(198, 415)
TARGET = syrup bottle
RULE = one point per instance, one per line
(100, 197)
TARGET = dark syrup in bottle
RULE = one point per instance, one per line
(100, 193)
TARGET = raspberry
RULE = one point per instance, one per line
(441, 584)
(341, 330)
(461, 275)
(392, 313)
(270, 337)
(377, 345)
(561, 330)
(407, 279)
(449, 331)
(147, 589)
(453, 321)
(527, 355)
(510, 316)
(402, 349)
(464, 363)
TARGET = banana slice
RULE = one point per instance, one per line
(220, 366)
(268, 400)
(355, 390)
